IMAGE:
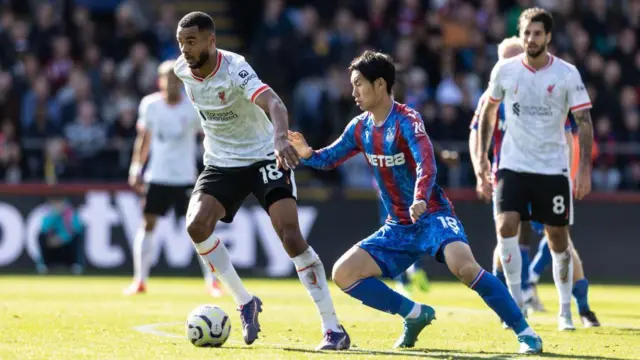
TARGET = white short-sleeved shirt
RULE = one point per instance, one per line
(173, 130)
(237, 131)
(537, 103)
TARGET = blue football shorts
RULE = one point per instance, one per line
(396, 247)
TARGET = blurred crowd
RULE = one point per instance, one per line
(71, 78)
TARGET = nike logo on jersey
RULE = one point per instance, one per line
(386, 160)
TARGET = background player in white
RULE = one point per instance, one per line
(167, 125)
(508, 48)
(244, 155)
(538, 91)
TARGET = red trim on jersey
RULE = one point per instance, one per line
(213, 73)
(257, 93)
(586, 105)
(542, 68)
(494, 100)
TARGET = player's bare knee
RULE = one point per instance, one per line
(149, 222)
(558, 238)
(292, 239)
(524, 233)
(507, 224)
(468, 271)
(199, 228)
(344, 275)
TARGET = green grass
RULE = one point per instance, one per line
(87, 318)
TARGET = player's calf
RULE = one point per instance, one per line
(562, 260)
(284, 217)
(460, 260)
(507, 226)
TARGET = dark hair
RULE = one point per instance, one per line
(536, 15)
(375, 65)
(198, 19)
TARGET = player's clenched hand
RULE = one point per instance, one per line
(483, 178)
(583, 183)
(286, 155)
(417, 209)
(300, 144)
(135, 181)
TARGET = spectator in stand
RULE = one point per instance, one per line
(61, 238)
(57, 55)
(86, 141)
(10, 154)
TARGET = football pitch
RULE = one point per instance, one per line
(59, 317)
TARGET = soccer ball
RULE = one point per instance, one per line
(208, 326)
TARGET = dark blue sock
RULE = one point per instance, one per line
(499, 300)
(580, 293)
(374, 293)
(524, 251)
(542, 258)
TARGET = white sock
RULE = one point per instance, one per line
(311, 273)
(511, 260)
(415, 311)
(215, 254)
(206, 272)
(528, 331)
(142, 247)
(412, 269)
(563, 278)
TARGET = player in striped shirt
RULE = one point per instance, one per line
(421, 218)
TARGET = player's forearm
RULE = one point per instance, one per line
(473, 147)
(140, 152)
(569, 139)
(486, 125)
(279, 116)
(327, 158)
(585, 137)
(424, 185)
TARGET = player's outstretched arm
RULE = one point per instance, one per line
(328, 157)
(585, 141)
(271, 103)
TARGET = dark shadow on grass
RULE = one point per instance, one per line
(445, 354)
(497, 355)
(416, 354)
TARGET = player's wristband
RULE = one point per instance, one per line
(135, 170)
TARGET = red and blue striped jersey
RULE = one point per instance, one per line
(401, 158)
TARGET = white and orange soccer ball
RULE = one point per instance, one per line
(208, 326)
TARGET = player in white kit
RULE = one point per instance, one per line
(538, 91)
(167, 127)
(245, 153)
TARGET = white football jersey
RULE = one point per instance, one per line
(537, 103)
(237, 131)
(173, 130)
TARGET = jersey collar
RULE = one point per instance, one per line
(215, 70)
(542, 68)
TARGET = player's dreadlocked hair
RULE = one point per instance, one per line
(375, 65)
(536, 15)
(199, 19)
